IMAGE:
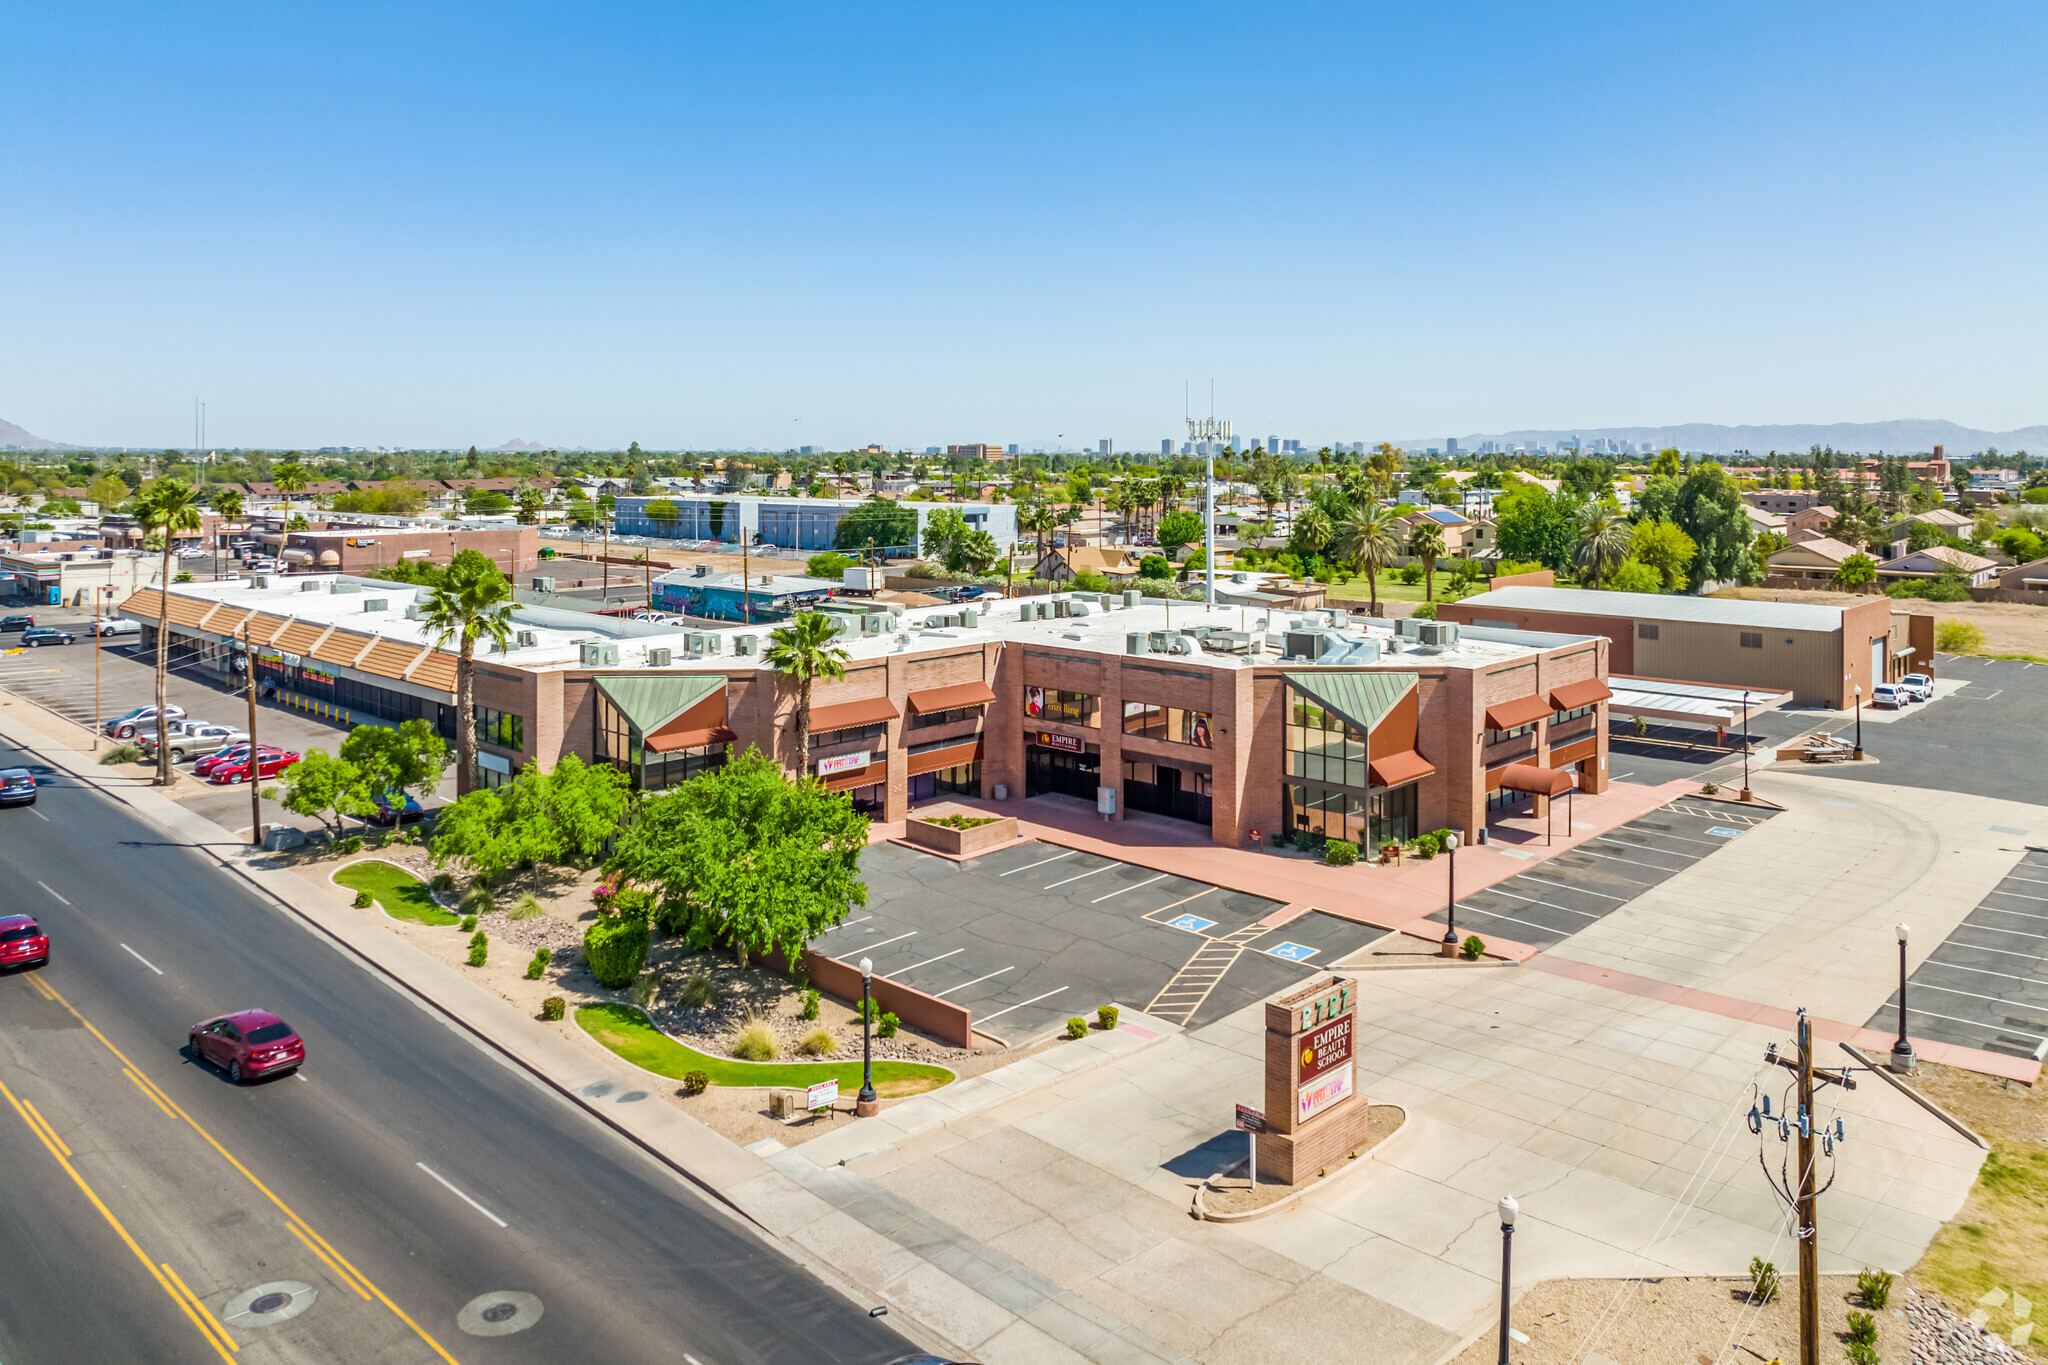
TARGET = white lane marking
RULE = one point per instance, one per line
(926, 963)
(1973, 1023)
(299, 1076)
(2019, 895)
(1632, 862)
(1079, 875)
(965, 984)
(1643, 848)
(143, 960)
(870, 947)
(46, 887)
(1118, 892)
(1021, 1004)
(843, 923)
(1567, 886)
(39, 815)
(1513, 895)
(1040, 863)
(459, 1194)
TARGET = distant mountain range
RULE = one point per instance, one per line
(22, 439)
(1907, 436)
(515, 447)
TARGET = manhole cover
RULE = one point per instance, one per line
(499, 1313)
(268, 1304)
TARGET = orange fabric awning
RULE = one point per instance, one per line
(931, 760)
(848, 714)
(1527, 777)
(689, 739)
(951, 698)
(1521, 711)
(1572, 696)
(1391, 770)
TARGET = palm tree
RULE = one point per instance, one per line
(806, 647)
(170, 506)
(1370, 538)
(1426, 543)
(473, 602)
(1040, 520)
(289, 478)
(1603, 543)
(1126, 503)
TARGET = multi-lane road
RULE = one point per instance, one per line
(407, 1197)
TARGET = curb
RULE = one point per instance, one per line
(1200, 1211)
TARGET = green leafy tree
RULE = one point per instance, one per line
(1707, 505)
(1766, 544)
(472, 603)
(746, 857)
(880, 522)
(1632, 575)
(944, 529)
(1663, 547)
(1536, 524)
(1668, 462)
(108, 491)
(228, 502)
(804, 649)
(1854, 572)
(1603, 544)
(531, 500)
(1426, 543)
(1177, 529)
(327, 789)
(1369, 540)
(170, 506)
(555, 819)
(830, 564)
(662, 510)
(408, 758)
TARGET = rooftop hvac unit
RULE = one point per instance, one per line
(1027, 611)
(310, 585)
(871, 625)
(1439, 634)
(376, 604)
(1408, 627)
(413, 612)
(1159, 641)
(262, 580)
(543, 585)
(1185, 644)
(745, 644)
(713, 643)
(1240, 578)
(1133, 599)
(337, 586)
(526, 639)
(702, 571)
(1307, 644)
(657, 657)
(598, 654)
(970, 618)
(1078, 609)
(1135, 642)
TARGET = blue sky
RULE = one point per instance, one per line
(780, 224)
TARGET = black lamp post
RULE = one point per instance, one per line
(1902, 1050)
(1450, 948)
(1747, 795)
(1859, 723)
(1508, 1209)
(867, 1103)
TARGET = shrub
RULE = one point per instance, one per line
(886, 1026)
(362, 900)
(479, 949)
(537, 966)
(1862, 1327)
(1337, 853)
(1950, 637)
(1861, 1353)
(1763, 1280)
(1874, 1287)
(1710, 789)
(468, 923)
(443, 881)
(1411, 574)
(1642, 727)
(963, 821)
(810, 1004)
(1424, 611)
(477, 901)
(554, 1007)
(352, 844)
(478, 937)
(700, 992)
(603, 894)
(1077, 1027)
(818, 1043)
(754, 1043)
(1105, 1018)
(526, 907)
(123, 753)
(695, 1082)
(1473, 948)
(615, 948)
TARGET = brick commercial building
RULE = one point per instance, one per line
(1820, 653)
(1238, 719)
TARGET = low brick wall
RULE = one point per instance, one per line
(950, 1024)
(960, 843)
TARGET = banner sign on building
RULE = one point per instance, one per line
(1066, 744)
(842, 763)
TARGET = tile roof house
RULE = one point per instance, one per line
(1936, 560)
(1110, 561)
(1811, 561)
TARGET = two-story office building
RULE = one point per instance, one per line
(792, 523)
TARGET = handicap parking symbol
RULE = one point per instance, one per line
(1293, 952)
(1724, 833)
(1194, 924)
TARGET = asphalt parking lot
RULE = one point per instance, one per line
(1986, 986)
(1672, 752)
(1548, 904)
(1990, 737)
(1033, 935)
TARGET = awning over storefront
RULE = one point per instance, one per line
(847, 714)
(652, 702)
(1361, 699)
(935, 699)
(1391, 770)
(688, 739)
(1572, 696)
(1527, 777)
(1521, 711)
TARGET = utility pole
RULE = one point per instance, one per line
(1805, 1198)
(255, 766)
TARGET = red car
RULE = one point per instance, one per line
(234, 753)
(269, 763)
(22, 942)
(247, 1044)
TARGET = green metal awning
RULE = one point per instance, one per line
(1362, 699)
(652, 702)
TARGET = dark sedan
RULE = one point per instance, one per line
(45, 635)
(16, 622)
(17, 787)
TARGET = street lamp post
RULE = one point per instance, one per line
(1508, 1209)
(1450, 948)
(867, 1103)
(1859, 723)
(1902, 1050)
(1747, 795)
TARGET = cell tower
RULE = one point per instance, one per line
(1202, 431)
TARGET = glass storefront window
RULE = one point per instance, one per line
(618, 742)
(501, 728)
(1074, 708)
(1169, 723)
(925, 719)
(1322, 747)
(1338, 814)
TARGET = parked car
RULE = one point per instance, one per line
(971, 592)
(1890, 695)
(128, 725)
(195, 739)
(247, 1044)
(1919, 686)
(395, 808)
(45, 635)
(269, 763)
(17, 787)
(116, 625)
(22, 942)
(234, 753)
(192, 552)
(22, 622)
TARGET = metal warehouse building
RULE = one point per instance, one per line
(1817, 652)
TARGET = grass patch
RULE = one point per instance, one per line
(402, 895)
(2016, 658)
(626, 1032)
(2000, 1239)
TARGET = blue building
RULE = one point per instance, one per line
(792, 523)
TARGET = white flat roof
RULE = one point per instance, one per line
(1643, 606)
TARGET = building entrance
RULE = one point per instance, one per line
(1164, 789)
(1069, 774)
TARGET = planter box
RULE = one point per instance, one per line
(959, 843)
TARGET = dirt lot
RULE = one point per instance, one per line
(2008, 628)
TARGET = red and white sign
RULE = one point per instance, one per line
(1314, 1098)
(842, 763)
(1066, 744)
(1250, 1120)
(1326, 1049)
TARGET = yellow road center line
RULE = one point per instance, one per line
(50, 1142)
(338, 1272)
(129, 1072)
(212, 1322)
(47, 993)
(248, 1175)
(44, 1126)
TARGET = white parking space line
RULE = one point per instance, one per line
(1495, 914)
(1589, 914)
(1994, 929)
(870, 947)
(1974, 995)
(1973, 1023)
(143, 960)
(1980, 948)
(1981, 971)
(2031, 881)
(1611, 858)
(1567, 886)
(926, 963)
(1120, 890)
(1079, 875)
(1040, 863)
(1643, 848)
(843, 923)
(2019, 894)
(1659, 834)
(984, 1018)
(2017, 914)
(46, 887)
(459, 1194)
(941, 995)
